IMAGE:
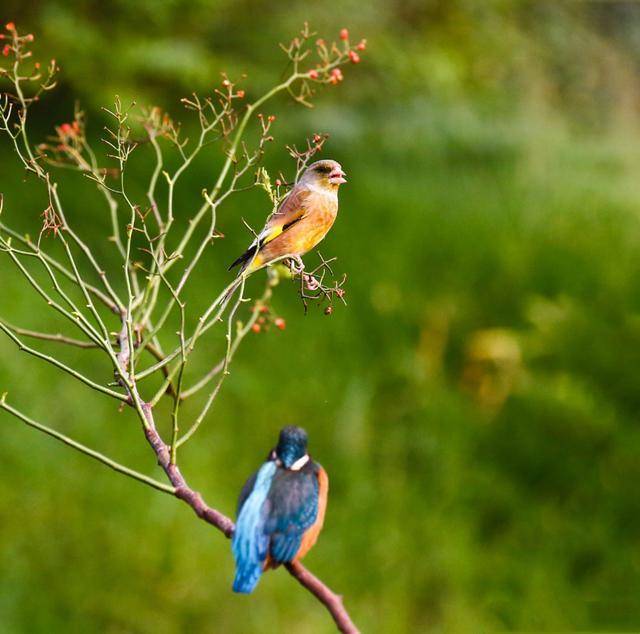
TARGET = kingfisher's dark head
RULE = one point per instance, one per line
(292, 447)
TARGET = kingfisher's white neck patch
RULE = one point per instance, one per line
(299, 463)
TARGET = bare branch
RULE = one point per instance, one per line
(332, 601)
(141, 323)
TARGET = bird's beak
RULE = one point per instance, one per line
(337, 177)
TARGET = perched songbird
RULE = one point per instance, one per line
(280, 510)
(301, 221)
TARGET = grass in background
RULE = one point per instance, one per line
(475, 405)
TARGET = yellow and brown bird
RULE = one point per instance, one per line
(301, 221)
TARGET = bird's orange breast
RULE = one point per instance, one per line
(311, 536)
(305, 234)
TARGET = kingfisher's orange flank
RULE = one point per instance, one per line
(301, 221)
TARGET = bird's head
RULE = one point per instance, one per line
(291, 450)
(326, 173)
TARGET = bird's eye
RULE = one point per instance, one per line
(323, 169)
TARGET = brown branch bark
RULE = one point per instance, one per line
(331, 600)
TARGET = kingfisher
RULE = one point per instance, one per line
(301, 221)
(281, 510)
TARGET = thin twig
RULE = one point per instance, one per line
(26, 241)
(112, 464)
(61, 366)
(223, 365)
(45, 336)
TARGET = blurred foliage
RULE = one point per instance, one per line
(475, 404)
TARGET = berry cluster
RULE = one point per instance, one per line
(263, 319)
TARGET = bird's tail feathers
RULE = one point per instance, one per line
(245, 257)
(247, 578)
(250, 543)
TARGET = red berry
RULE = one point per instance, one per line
(5, 50)
(10, 26)
(344, 34)
(314, 74)
(280, 323)
(240, 94)
(256, 328)
(362, 45)
(336, 76)
(65, 128)
(354, 57)
(29, 37)
(264, 309)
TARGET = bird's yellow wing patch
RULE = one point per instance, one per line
(292, 209)
(274, 230)
(273, 234)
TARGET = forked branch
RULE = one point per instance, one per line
(126, 311)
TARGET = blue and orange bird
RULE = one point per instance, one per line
(280, 510)
(301, 221)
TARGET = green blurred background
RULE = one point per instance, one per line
(476, 403)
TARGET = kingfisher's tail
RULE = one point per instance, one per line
(247, 578)
(250, 542)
